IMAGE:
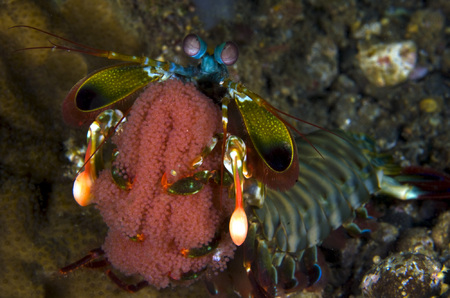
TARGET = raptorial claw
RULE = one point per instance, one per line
(238, 225)
(97, 134)
(235, 162)
(82, 188)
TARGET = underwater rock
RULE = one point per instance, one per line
(426, 28)
(367, 30)
(441, 231)
(388, 64)
(321, 65)
(431, 104)
(416, 240)
(404, 274)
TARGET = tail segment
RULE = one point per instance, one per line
(430, 184)
(407, 183)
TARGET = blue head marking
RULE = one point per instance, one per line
(209, 65)
(212, 67)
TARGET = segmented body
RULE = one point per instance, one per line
(288, 224)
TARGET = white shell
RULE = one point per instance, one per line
(388, 64)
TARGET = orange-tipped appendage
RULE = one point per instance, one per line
(238, 226)
(83, 183)
(238, 220)
(82, 189)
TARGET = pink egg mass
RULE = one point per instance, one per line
(167, 128)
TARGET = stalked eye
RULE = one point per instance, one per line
(194, 46)
(226, 53)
